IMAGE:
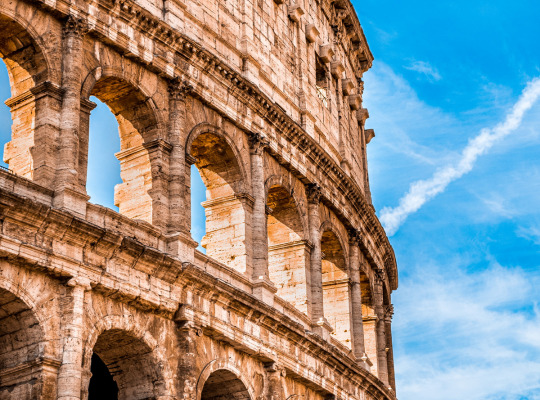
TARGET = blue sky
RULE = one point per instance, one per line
(466, 322)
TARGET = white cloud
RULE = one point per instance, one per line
(467, 335)
(425, 69)
(404, 120)
(423, 190)
(531, 233)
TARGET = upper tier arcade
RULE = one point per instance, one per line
(292, 298)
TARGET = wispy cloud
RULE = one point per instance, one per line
(423, 190)
(531, 233)
(425, 69)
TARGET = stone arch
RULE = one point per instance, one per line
(205, 128)
(30, 153)
(23, 346)
(335, 280)
(288, 248)
(280, 180)
(144, 154)
(132, 355)
(228, 203)
(224, 371)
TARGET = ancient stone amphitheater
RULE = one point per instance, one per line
(264, 97)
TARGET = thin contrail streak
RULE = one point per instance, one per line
(423, 190)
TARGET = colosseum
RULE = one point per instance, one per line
(289, 300)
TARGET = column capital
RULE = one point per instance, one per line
(354, 237)
(313, 193)
(75, 26)
(388, 313)
(380, 275)
(257, 142)
(179, 89)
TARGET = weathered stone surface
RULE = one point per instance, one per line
(291, 300)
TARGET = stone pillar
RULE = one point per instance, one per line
(275, 386)
(68, 193)
(382, 365)
(263, 288)
(179, 239)
(178, 221)
(187, 334)
(357, 326)
(70, 371)
(84, 137)
(320, 325)
(389, 312)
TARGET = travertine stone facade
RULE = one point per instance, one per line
(264, 97)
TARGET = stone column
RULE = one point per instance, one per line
(275, 386)
(320, 325)
(68, 193)
(177, 185)
(70, 372)
(389, 312)
(187, 334)
(357, 325)
(382, 365)
(262, 286)
(179, 239)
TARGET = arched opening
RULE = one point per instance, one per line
(103, 167)
(198, 217)
(225, 205)
(143, 157)
(34, 104)
(335, 280)
(288, 253)
(224, 385)
(123, 368)
(21, 346)
(5, 115)
(369, 320)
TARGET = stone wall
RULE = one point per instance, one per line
(291, 300)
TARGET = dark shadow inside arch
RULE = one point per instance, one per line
(102, 385)
(224, 385)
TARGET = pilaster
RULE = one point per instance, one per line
(68, 193)
(263, 288)
(179, 220)
(382, 363)
(70, 371)
(357, 326)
